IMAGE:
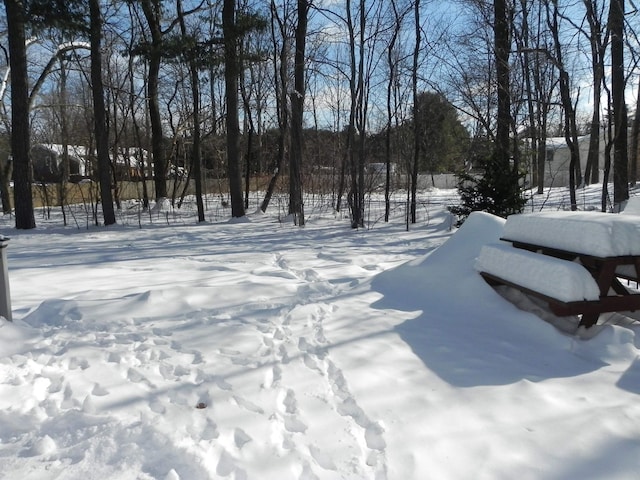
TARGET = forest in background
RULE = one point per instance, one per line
(297, 91)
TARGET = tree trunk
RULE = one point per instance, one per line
(64, 133)
(151, 9)
(296, 204)
(391, 109)
(353, 197)
(502, 49)
(592, 167)
(570, 128)
(195, 96)
(99, 114)
(416, 121)
(529, 92)
(231, 74)
(635, 138)
(361, 116)
(6, 170)
(20, 133)
(280, 79)
(620, 155)
(248, 162)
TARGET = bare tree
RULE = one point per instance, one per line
(362, 39)
(392, 101)
(620, 154)
(598, 41)
(20, 129)
(296, 204)
(531, 37)
(152, 10)
(634, 150)
(416, 122)
(99, 113)
(196, 160)
(502, 45)
(570, 126)
(231, 74)
(64, 130)
(279, 32)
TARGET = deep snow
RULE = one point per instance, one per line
(312, 353)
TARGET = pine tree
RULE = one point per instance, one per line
(493, 192)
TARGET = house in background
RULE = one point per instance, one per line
(558, 158)
(46, 160)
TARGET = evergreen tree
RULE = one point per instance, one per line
(493, 192)
(443, 139)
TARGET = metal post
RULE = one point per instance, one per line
(5, 295)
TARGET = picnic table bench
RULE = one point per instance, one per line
(571, 260)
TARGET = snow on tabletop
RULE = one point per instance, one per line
(591, 233)
(560, 279)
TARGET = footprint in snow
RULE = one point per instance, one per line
(229, 352)
(310, 362)
(290, 406)
(241, 438)
(289, 402)
(197, 358)
(42, 446)
(264, 328)
(180, 371)
(114, 357)
(210, 431)
(246, 404)
(56, 384)
(136, 377)
(99, 391)
(294, 425)
(156, 407)
(166, 371)
(272, 377)
(67, 398)
(321, 458)
(226, 466)
(172, 475)
(78, 363)
(284, 354)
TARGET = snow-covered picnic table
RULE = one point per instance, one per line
(570, 259)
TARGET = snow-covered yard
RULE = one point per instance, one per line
(257, 350)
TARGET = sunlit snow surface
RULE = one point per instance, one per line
(315, 353)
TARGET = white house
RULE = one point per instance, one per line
(47, 162)
(558, 158)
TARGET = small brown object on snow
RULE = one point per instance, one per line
(201, 405)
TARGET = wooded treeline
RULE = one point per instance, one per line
(286, 88)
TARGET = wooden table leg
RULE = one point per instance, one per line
(589, 319)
